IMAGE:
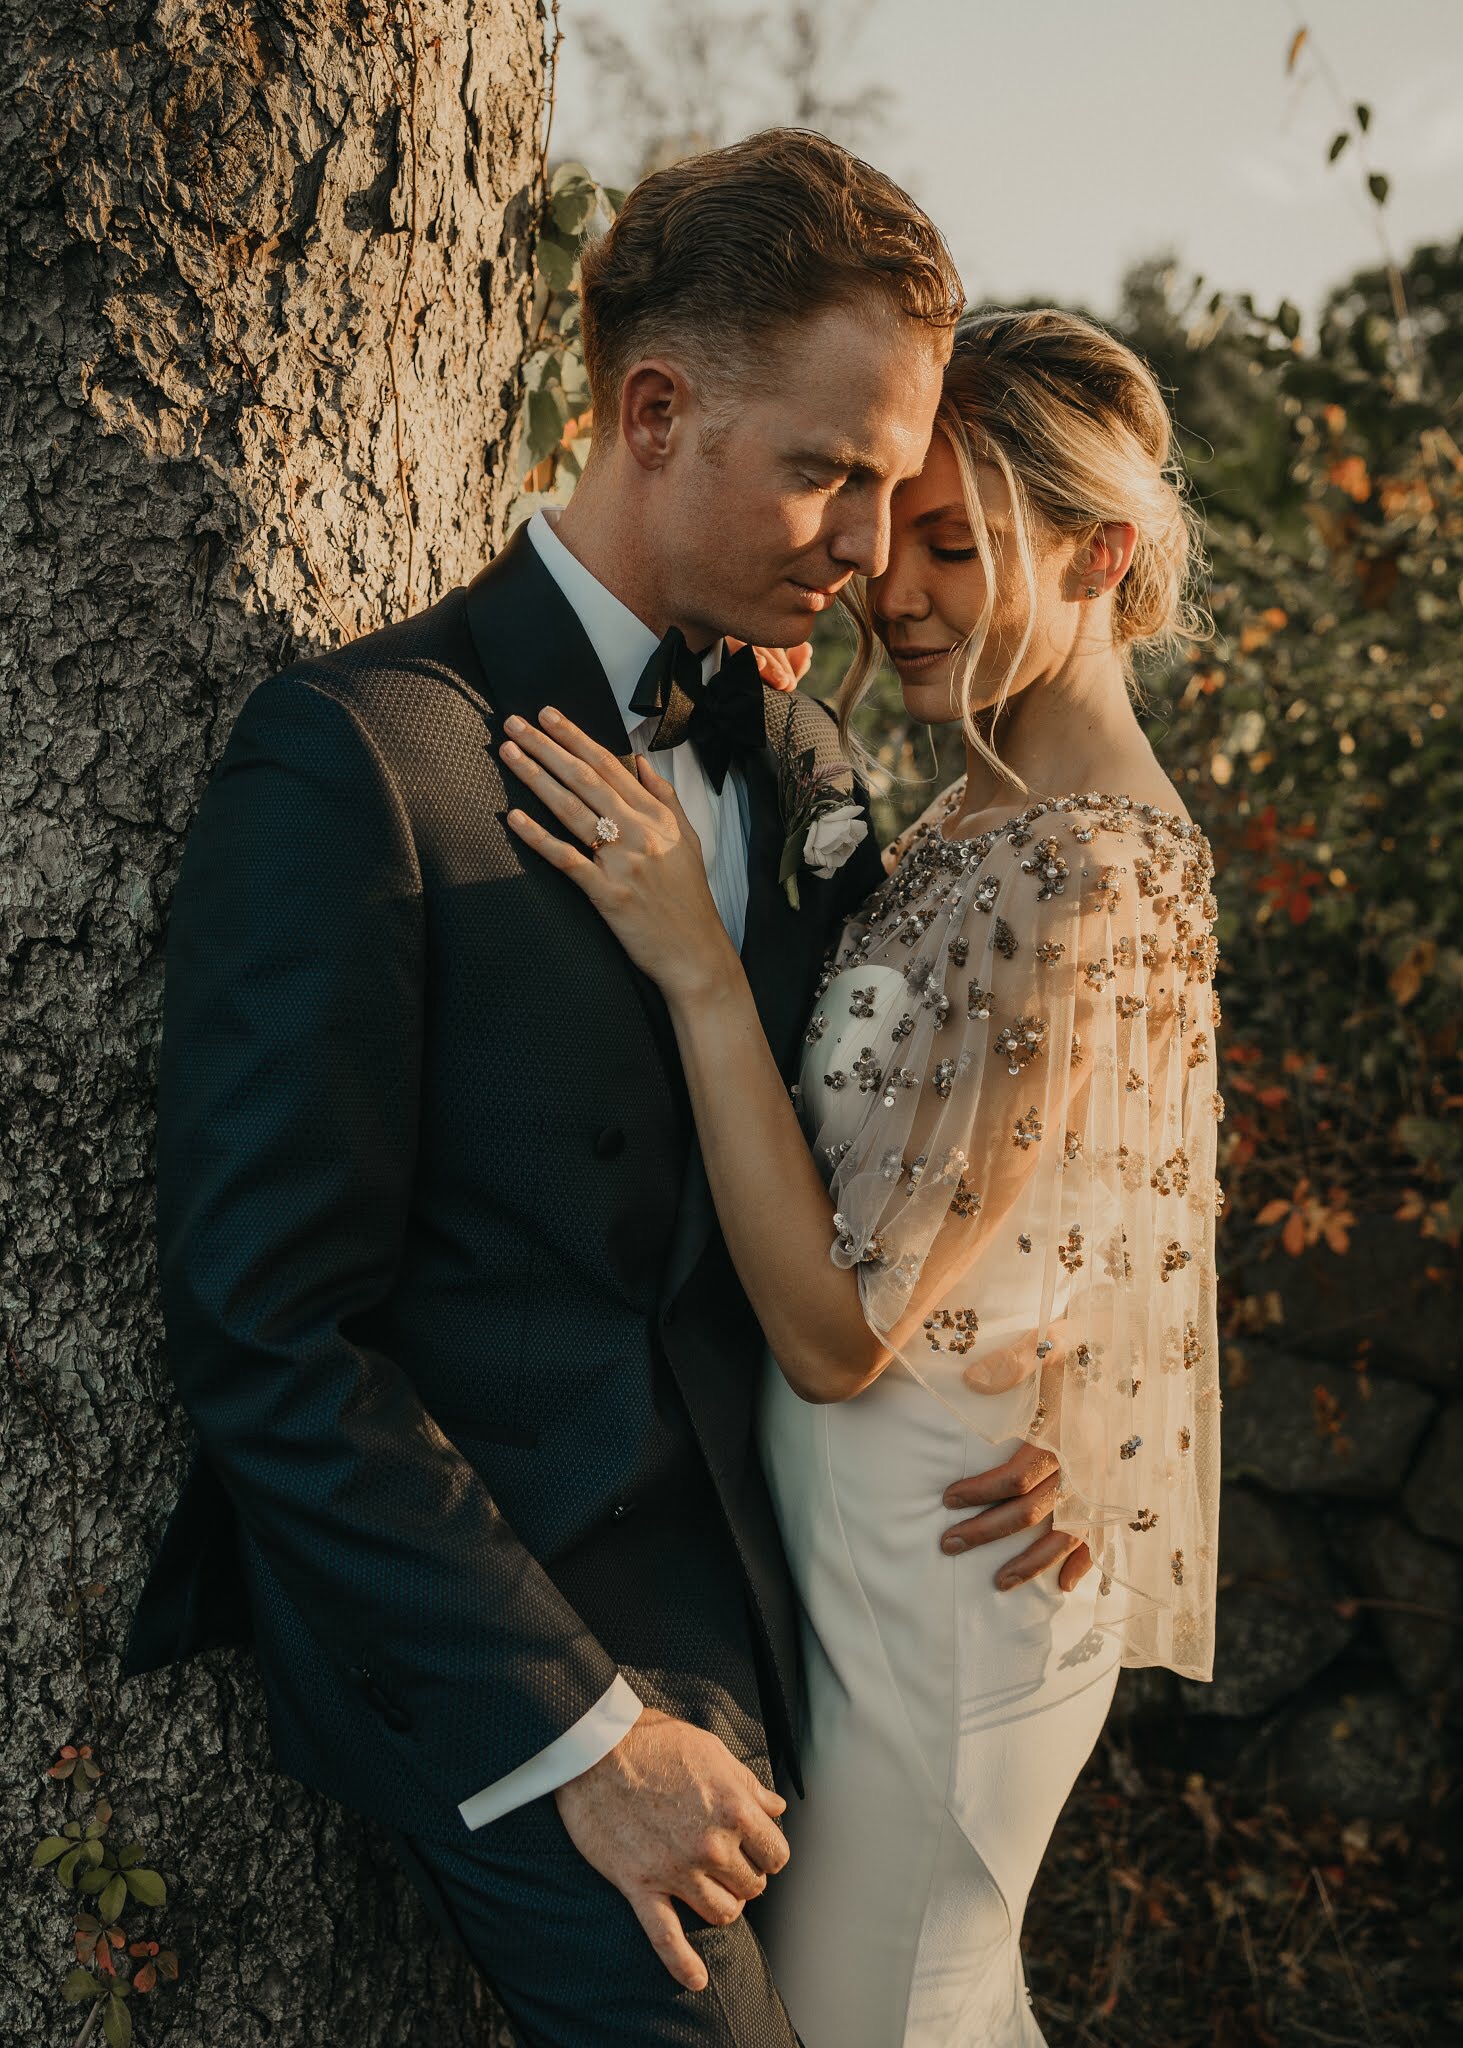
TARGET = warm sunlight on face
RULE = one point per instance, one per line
(931, 597)
(760, 534)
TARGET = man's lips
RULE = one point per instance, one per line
(817, 595)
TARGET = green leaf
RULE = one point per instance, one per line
(146, 1887)
(80, 1984)
(792, 852)
(48, 1850)
(114, 1898)
(66, 1868)
(1338, 143)
(569, 323)
(94, 1880)
(117, 2023)
(1379, 187)
(546, 418)
(1363, 116)
(1288, 320)
(72, 1828)
(95, 1850)
(569, 172)
(557, 262)
(614, 197)
(571, 208)
(128, 1854)
(575, 382)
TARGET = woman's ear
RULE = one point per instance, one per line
(1101, 563)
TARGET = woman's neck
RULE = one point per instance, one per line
(1075, 730)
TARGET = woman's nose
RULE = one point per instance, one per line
(897, 597)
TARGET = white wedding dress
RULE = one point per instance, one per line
(946, 1721)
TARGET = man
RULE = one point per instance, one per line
(444, 1291)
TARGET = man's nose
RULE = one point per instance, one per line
(863, 539)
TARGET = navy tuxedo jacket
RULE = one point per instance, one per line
(444, 1293)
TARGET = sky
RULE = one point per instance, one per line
(1056, 141)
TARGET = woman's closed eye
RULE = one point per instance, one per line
(953, 554)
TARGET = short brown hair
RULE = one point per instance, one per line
(724, 249)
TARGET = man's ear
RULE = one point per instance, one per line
(655, 401)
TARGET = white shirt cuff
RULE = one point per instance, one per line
(592, 1736)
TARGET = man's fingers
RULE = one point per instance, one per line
(770, 1801)
(1004, 1519)
(742, 1878)
(667, 1937)
(764, 1844)
(704, 1895)
(1047, 1551)
(1025, 1470)
(1076, 1568)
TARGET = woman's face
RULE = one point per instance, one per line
(931, 596)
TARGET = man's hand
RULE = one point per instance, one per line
(1018, 1495)
(670, 1813)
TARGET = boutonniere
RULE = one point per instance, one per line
(821, 823)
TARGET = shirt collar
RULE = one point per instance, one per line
(622, 642)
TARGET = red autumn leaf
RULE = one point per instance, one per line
(1273, 1211)
(145, 1978)
(1293, 1237)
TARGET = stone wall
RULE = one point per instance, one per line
(1338, 1672)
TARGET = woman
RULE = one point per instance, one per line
(992, 1233)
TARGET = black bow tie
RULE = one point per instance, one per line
(723, 717)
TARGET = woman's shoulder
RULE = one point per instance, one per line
(930, 818)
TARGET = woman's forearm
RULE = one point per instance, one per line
(776, 1214)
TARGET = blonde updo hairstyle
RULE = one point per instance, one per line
(1076, 424)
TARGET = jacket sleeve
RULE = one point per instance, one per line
(288, 1102)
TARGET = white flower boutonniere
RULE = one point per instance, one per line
(833, 837)
(821, 822)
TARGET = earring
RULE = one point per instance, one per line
(1092, 590)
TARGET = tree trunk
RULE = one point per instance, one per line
(266, 281)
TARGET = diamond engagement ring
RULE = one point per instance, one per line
(606, 831)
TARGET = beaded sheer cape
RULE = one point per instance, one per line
(1021, 1153)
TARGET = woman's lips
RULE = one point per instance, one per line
(917, 661)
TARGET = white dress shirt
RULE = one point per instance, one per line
(623, 644)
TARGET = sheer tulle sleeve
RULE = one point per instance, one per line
(1029, 1193)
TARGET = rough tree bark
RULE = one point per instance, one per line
(266, 279)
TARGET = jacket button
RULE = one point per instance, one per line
(393, 1715)
(609, 1143)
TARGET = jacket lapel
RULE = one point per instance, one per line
(533, 652)
(782, 949)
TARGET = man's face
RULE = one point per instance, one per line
(757, 534)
